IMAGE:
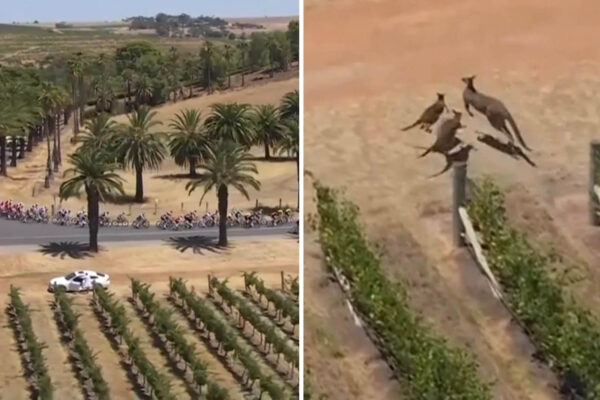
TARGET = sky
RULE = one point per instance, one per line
(114, 10)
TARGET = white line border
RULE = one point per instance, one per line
(301, 189)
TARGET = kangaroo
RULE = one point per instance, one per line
(461, 155)
(495, 111)
(430, 115)
(446, 135)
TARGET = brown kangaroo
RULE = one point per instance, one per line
(430, 115)
(495, 111)
(460, 155)
(446, 135)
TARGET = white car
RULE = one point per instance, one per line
(79, 281)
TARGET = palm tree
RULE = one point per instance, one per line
(128, 77)
(144, 90)
(139, 148)
(91, 172)
(49, 98)
(75, 66)
(290, 105)
(290, 145)
(267, 124)
(188, 143)
(98, 135)
(244, 47)
(226, 165)
(228, 54)
(273, 50)
(62, 103)
(207, 53)
(232, 121)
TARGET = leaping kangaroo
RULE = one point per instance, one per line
(495, 111)
(446, 135)
(430, 115)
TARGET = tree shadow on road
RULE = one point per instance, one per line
(197, 244)
(73, 250)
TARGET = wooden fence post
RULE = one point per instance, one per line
(459, 180)
(593, 178)
(280, 204)
(256, 206)
(282, 281)
(209, 288)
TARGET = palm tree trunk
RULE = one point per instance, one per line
(58, 131)
(192, 167)
(22, 148)
(13, 149)
(228, 80)
(129, 99)
(93, 207)
(267, 155)
(139, 185)
(75, 108)
(222, 197)
(298, 178)
(3, 155)
(47, 126)
(30, 139)
(82, 101)
(54, 145)
(243, 76)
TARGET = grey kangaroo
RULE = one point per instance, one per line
(430, 115)
(495, 111)
(446, 135)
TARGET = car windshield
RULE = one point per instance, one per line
(70, 276)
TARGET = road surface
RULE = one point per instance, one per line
(16, 233)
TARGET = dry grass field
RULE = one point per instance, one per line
(372, 76)
(29, 42)
(150, 262)
(278, 178)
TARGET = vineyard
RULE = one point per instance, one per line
(172, 342)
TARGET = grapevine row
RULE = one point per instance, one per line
(431, 368)
(204, 314)
(270, 337)
(164, 324)
(87, 369)
(30, 347)
(567, 335)
(155, 383)
(284, 306)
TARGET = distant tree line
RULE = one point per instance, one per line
(182, 25)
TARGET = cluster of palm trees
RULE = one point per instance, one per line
(218, 146)
(31, 110)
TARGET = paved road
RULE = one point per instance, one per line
(17, 233)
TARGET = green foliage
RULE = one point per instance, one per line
(431, 367)
(285, 307)
(42, 387)
(226, 337)
(165, 325)
(157, 382)
(232, 122)
(80, 346)
(567, 335)
(272, 337)
(188, 144)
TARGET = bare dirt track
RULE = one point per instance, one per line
(378, 66)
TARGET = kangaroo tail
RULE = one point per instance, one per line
(513, 124)
(411, 125)
(426, 152)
